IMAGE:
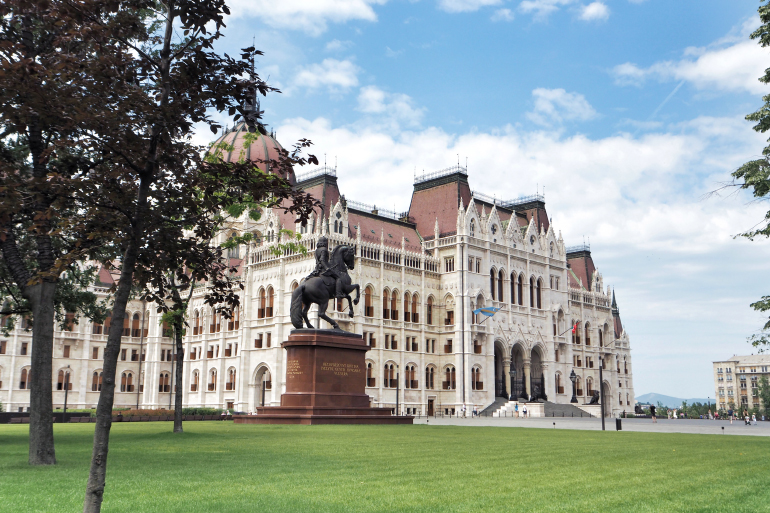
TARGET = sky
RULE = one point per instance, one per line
(626, 114)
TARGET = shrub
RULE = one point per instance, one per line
(202, 411)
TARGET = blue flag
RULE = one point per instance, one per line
(489, 311)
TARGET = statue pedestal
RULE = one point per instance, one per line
(325, 383)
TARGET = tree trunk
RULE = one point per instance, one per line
(178, 378)
(41, 442)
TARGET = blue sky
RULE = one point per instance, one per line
(628, 112)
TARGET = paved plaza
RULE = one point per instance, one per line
(691, 426)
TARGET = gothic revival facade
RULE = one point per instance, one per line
(422, 274)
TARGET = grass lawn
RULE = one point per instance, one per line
(223, 467)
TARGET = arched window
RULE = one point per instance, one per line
(96, 381)
(230, 385)
(513, 288)
(212, 380)
(588, 334)
(589, 386)
(559, 386)
(415, 311)
(492, 275)
(410, 381)
(430, 378)
(579, 385)
(270, 297)
(520, 291)
(126, 325)
(371, 381)
(64, 378)
(394, 305)
(539, 293)
(164, 384)
(473, 228)
(235, 320)
(135, 329)
(385, 305)
(555, 332)
(500, 283)
(407, 304)
(389, 378)
(477, 382)
(233, 252)
(26, 377)
(368, 305)
(294, 286)
(107, 323)
(450, 382)
(429, 311)
(97, 328)
(261, 309)
(195, 381)
(601, 340)
(126, 382)
(532, 303)
(196, 322)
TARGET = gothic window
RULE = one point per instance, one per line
(473, 228)
(532, 292)
(233, 252)
(407, 304)
(476, 379)
(135, 330)
(500, 282)
(389, 378)
(270, 298)
(196, 378)
(492, 275)
(429, 311)
(26, 377)
(394, 305)
(429, 378)
(415, 312)
(163, 383)
(127, 382)
(64, 378)
(371, 381)
(368, 306)
(551, 249)
(385, 305)
(539, 293)
(409, 377)
(520, 290)
(212, 380)
(261, 309)
(230, 385)
(450, 382)
(96, 381)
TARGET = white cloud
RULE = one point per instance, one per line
(594, 11)
(542, 8)
(335, 45)
(465, 5)
(553, 106)
(395, 108)
(731, 64)
(308, 16)
(502, 15)
(335, 75)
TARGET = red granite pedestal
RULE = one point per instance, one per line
(325, 383)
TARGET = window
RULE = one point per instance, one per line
(97, 328)
(579, 386)
(430, 378)
(450, 318)
(24, 346)
(389, 379)
(230, 385)
(473, 228)
(476, 380)
(601, 340)
(262, 301)
(368, 306)
(69, 321)
(64, 381)
(267, 341)
(588, 334)
(478, 265)
(407, 305)
(590, 386)
(429, 311)
(415, 312)
(135, 330)
(385, 305)
(410, 381)
(449, 379)
(492, 275)
(394, 305)
(123, 354)
(477, 347)
(126, 382)
(500, 280)
(95, 353)
(233, 252)
(164, 384)
(448, 346)
(3, 344)
(66, 351)
(96, 381)
(26, 377)
(235, 320)
(258, 341)
(270, 298)
(371, 381)
(195, 381)
(449, 264)
(520, 290)
(135, 355)
(559, 385)
(212, 380)
(196, 323)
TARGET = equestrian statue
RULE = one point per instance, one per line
(329, 280)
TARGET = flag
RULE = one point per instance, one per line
(574, 328)
(489, 311)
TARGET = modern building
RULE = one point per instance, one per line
(422, 273)
(736, 381)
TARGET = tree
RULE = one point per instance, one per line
(755, 174)
(49, 98)
(764, 395)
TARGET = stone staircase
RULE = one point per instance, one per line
(564, 410)
(492, 408)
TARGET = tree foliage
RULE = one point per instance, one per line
(755, 174)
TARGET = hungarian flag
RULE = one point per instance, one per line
(574, 328)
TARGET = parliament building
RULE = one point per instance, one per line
(422, 274)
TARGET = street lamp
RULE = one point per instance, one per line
(573, 378)
(601, 390)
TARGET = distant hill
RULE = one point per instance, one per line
(668, 401)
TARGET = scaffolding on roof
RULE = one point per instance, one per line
(442, 172)
(319, 171)
(510, 204)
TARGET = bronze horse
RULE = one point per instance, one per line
(321, 289)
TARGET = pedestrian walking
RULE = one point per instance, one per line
(516, 410)
(524, 411)
(754, 418)
(652, 414)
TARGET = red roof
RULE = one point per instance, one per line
(263, 148)
(583, 266)
(371, 228)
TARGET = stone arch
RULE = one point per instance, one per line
(262, 385)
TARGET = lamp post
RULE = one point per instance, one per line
(397, 389)
(601, 391)
(573, 378)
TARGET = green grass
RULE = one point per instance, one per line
(223, 467)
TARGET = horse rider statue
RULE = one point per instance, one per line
(322, 267)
